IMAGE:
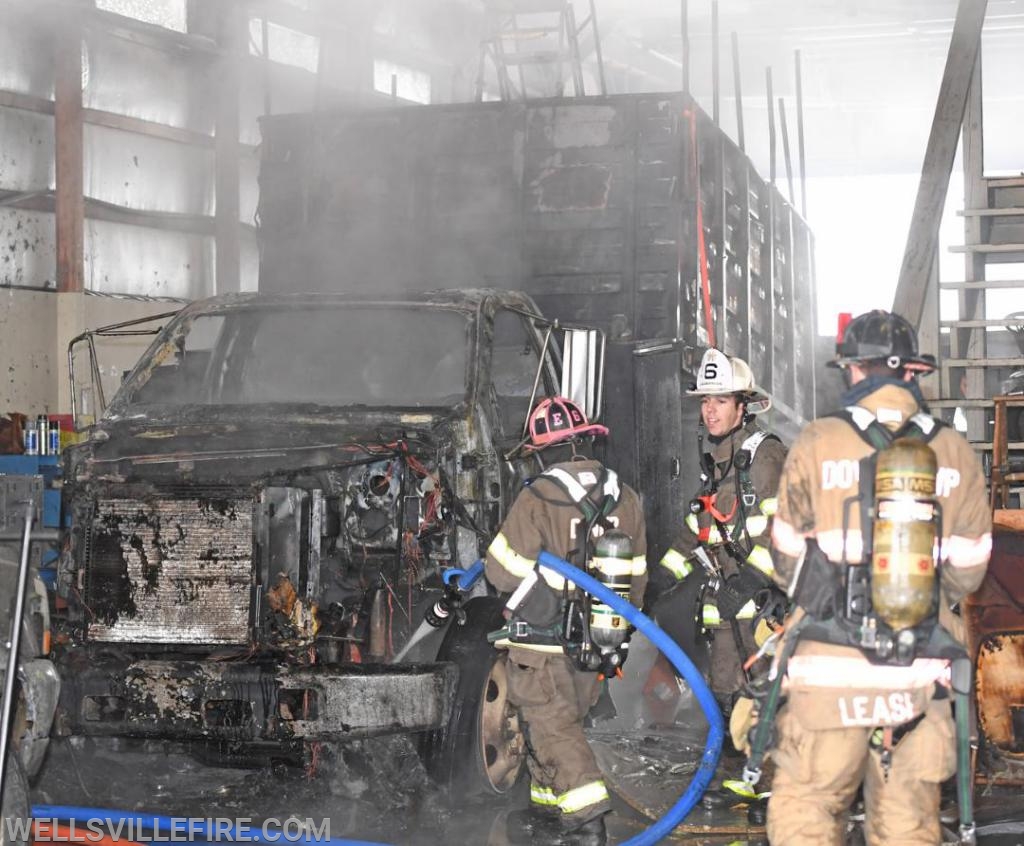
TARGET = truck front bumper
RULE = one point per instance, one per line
(209, 700)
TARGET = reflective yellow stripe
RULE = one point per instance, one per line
(575, 800)
(741, 788)
(518, 565)
(639, 565)
(710, 615)
(543, 796)
(770, 506)
(757, 525)
(761, 558)
(676, 564)
(691, 523)
(714, 536)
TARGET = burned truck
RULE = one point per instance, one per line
(263, 512)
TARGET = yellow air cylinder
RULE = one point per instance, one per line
(612, 566)
(902, 561)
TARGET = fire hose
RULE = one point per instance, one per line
(716, 731)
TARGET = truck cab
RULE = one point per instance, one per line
(263, 512)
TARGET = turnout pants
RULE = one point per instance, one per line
(727, 658)
(817, 774)
(552, 698)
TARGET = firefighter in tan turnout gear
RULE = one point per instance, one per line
(726, 530)
(575, 509)
(882, 528)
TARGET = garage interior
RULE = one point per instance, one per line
(676, 174)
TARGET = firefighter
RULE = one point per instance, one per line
(727, 526)
(880, 494)
(553, 677)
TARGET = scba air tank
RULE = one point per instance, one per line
(612, 566)
(906, 518)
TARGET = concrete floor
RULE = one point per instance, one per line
(377, 790)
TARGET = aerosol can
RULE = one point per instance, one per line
(905, 534)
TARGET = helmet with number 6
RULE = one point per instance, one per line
(556, 420)
(722, 375)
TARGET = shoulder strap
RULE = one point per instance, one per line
(608, 482)
(865, 424)
(754, 441)
(748, 449)
(922, 426)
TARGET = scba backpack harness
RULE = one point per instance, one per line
(894, 495)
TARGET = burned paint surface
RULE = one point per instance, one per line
(170, 570)
(995, 625)
(1000, 687)
(245, 572)
(204, 700)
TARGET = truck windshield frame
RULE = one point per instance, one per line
(333, 355)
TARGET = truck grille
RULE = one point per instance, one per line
(170, 570)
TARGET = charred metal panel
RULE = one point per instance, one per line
(170, 570)
(289, 527)
(590, 206)
(247, 702)
(995, 628)
(1000, 688)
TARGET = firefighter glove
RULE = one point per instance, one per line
(738, 590)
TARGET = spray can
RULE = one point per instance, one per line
(43, 427)
(54, 437)
(31, 438)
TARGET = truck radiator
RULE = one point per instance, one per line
(170, 571)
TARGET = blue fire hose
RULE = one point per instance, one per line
(466, 578)
(668, 647)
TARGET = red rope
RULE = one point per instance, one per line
(702, 256)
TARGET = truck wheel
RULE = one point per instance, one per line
(15, 804)
(481, 750)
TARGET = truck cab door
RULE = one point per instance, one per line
(666, 459)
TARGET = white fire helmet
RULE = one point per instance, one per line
(720, 375)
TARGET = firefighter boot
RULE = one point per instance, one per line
(529, 826)
(591, 833)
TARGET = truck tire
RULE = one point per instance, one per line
(481, 750)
